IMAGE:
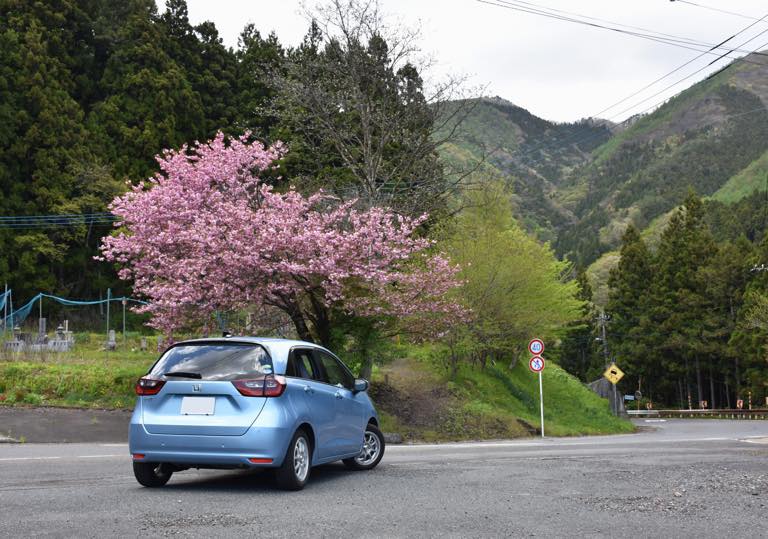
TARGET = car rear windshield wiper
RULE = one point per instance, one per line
(181, 374)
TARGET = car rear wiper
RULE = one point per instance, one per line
(182, 374)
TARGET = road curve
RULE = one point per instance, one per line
(707, 478)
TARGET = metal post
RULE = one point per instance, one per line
(109, 295)
(124, 302)
(615, 402)
(541, 404)
(5, 312)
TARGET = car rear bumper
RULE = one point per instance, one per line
(266, 440)
(265, 444)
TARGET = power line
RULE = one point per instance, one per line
(542, 7)
(606, 121)
(682, 66)
(56, 221)
(702, 53)
(52, 216)
(686, 77)
(716, 9)
(677, 42)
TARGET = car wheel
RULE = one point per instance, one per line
(372, 452)
(152, 474)
(294, 472)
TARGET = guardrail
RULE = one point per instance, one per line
(761, 413)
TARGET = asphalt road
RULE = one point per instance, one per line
(686, 478)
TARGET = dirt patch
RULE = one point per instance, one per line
(415, 408)
(425, 408)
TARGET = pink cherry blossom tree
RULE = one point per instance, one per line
(206, 235)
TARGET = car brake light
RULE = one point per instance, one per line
(138, 456)
(255, 460)
(149, 386)
(269, 386)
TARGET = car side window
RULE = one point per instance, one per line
(300, 365)
(335, 373)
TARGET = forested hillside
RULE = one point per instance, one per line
(710, 137)
(90, 91)
(533, 154)
(685, 310)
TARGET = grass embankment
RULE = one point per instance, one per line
(87, 377)
(417, 400)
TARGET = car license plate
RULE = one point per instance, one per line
(198, 405)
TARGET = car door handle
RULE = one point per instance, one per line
(339, 395)
(308, 389)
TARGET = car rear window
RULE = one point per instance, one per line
(213, 361)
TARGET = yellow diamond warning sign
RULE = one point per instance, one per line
(613, 374)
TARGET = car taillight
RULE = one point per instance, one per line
(269, 386)
(149, 386)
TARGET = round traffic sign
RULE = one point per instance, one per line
(536, 347)
(536, 364)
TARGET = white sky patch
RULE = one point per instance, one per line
(558, 70)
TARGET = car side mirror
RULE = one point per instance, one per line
(361, 385)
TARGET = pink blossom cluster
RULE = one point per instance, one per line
(206, 234)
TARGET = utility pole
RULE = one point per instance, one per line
(603, 319)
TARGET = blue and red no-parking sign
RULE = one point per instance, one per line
(536, 364)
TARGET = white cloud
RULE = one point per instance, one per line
(558, 70)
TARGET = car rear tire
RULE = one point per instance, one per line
(372, 452)
(294, 472)
(152, 474)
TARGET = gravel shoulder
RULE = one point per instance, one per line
(63, 425)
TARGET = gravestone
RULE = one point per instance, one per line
(111, 340)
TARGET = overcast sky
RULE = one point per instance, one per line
(558, 70)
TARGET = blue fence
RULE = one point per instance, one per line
(13, 318)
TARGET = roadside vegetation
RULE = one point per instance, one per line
(413, 390)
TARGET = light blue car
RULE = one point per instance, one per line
(243, 402)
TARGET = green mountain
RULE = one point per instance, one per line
(581, 184)
(534, 154)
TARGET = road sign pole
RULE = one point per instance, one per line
(541, 403)
(615, 401)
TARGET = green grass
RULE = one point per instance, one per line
(570, 408)
(486, 403)
(87, 377)
(745, 182)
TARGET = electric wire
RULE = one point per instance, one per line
(56, 220)
(680, 43)
(715, 9)
(670, 73)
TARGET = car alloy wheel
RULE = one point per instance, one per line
(301, 459)
(371, 449)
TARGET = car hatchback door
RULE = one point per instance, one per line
(198, 394)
